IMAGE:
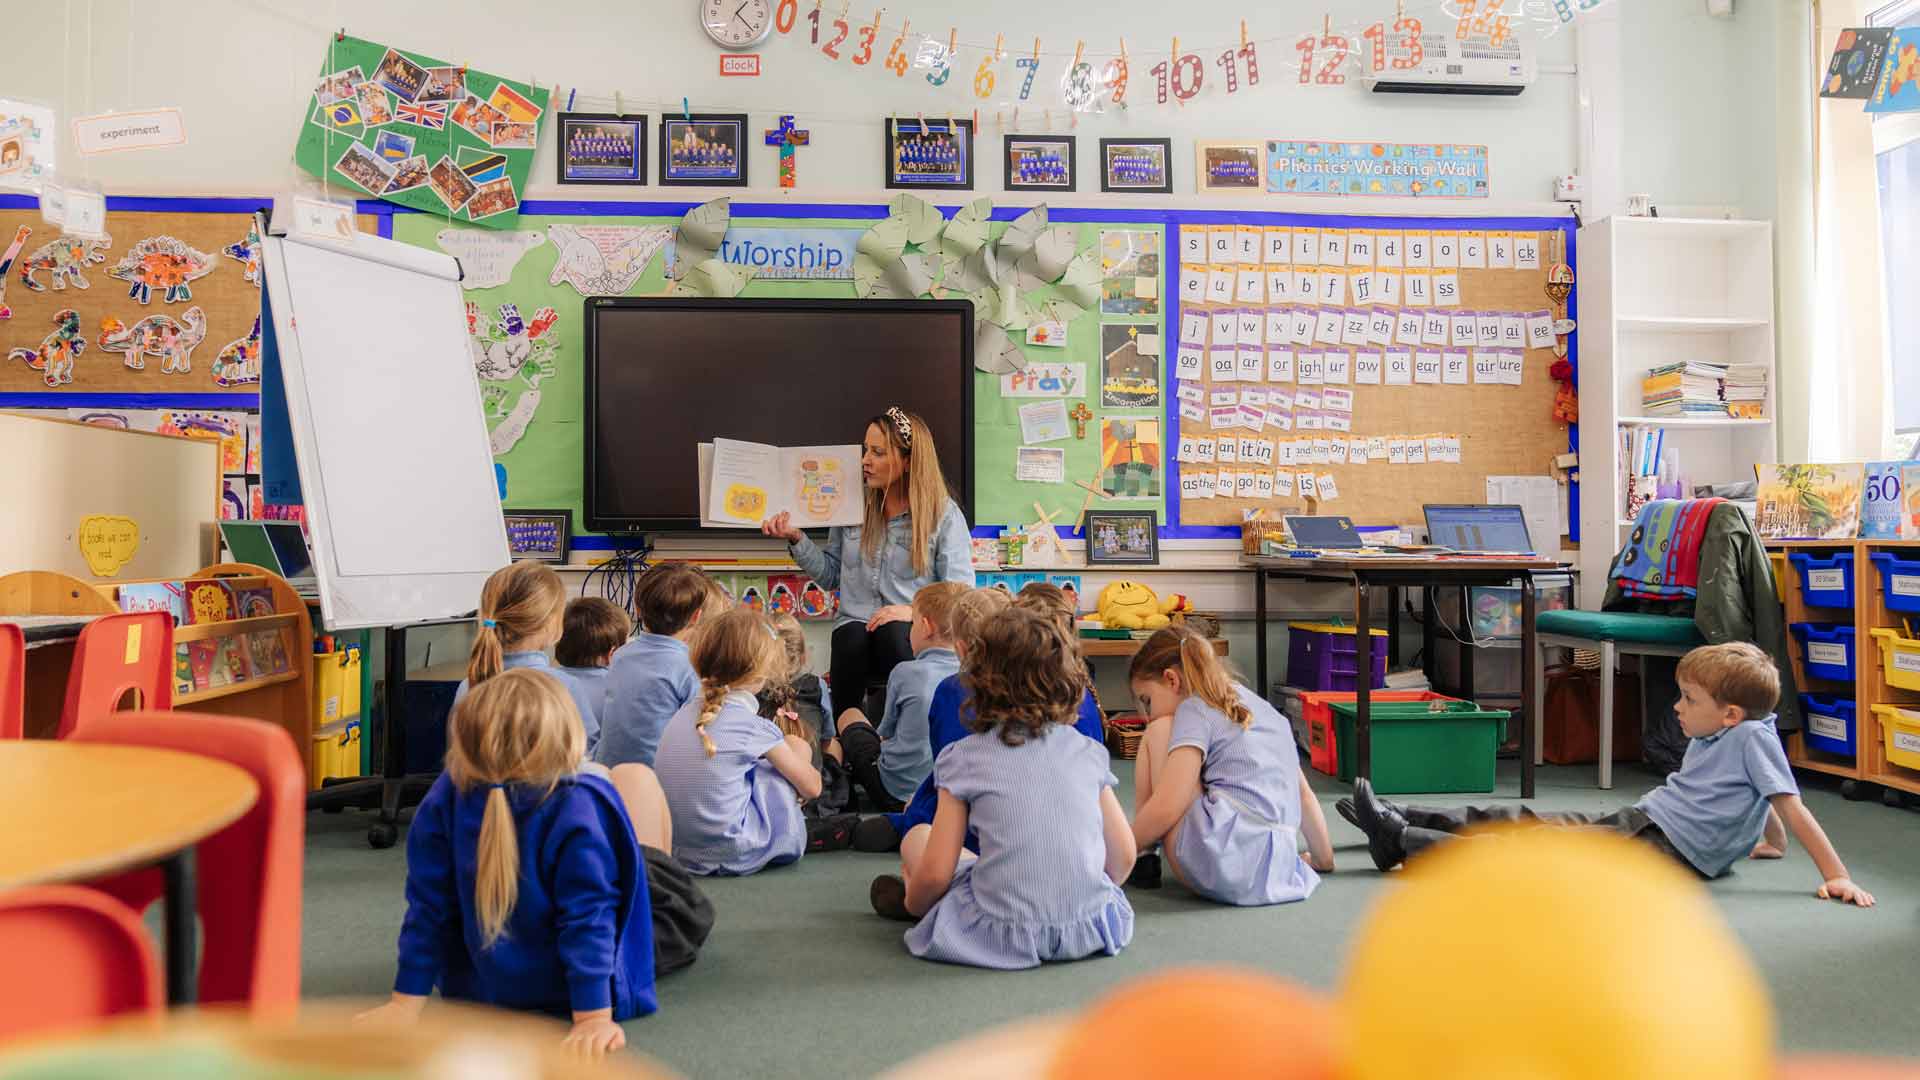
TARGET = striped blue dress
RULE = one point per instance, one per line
(733, 813)
(1239, 841)
(1039, 890)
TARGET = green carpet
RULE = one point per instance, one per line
(800, 979)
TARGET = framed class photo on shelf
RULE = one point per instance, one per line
(601, 148)
(1142, 165)
(540, 535)
(1041, 163)
(1229, 166)
(704, 151)
(929, 153)
(1122, 538)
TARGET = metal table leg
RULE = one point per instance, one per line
(1363, 681)
(1260, 631)
(1529, 647)
(182, 950)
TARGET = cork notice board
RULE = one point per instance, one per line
(1342, 363)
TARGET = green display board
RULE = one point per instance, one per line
(420, 132)
(531, 325)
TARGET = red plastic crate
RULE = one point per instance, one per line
(1317, 708)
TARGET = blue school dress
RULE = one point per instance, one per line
(586, 700)
(1039, 890)
(581, 934)
(1239, 841)
(945, 728)
(733, 813)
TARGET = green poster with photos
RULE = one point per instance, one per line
(448, 140)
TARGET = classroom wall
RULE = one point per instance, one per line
(241, 70)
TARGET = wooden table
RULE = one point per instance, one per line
(1366, 574)
(1095, 648)
(77, 812)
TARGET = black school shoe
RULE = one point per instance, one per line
(1384, 826)
(875, 835)
(1146, 871)
(888, 895)
(831, 834)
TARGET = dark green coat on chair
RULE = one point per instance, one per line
(1736, 600)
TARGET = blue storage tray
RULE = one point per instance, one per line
(1899, 581)
(1826, 583)
(1830, 723)
(1827, 649)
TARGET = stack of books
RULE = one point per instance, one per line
(1745, 389)
(1689, 389)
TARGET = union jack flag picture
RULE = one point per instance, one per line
(431, 116)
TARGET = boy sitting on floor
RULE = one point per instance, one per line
(1734, 794)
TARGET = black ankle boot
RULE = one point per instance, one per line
(1146, 871)
(875, 835)
(1385, 827)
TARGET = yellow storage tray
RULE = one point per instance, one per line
(1779, 561)
(1899, 658)
(336, 751)
(1900, 729)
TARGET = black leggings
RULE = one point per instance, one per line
(861, 661)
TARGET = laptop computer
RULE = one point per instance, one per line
(1327, 533)
(280, 546)
(1478, 529)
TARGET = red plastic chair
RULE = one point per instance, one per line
(117, 653)
(74, 957)
(13, 671)
(247, 876)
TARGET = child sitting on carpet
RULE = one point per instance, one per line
(1054, 843)
(892, 759)
(592, 630)
(522, 613)
(1733, 796)
(734, 783)
(1218, 782)
(528, 878)
(650, 677)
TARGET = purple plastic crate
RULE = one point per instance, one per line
(1321, 659)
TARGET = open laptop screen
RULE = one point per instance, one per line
(290, 548)
(1478, 528)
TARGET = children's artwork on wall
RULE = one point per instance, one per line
(238, 362)
(246, 253)
(7, 258)
(1129, 376)
(1136, 165)
(1129, 272)
(491, 114)
(64, 260)
(602, 148)
(604, 260)
(55, 357)
(512, 356)
(164, 263)
(816, 602)
(699, 150)
(26, 144)
(1130, 457)
(1041, 163)
(160, 337)
(487, 258)
(1227, 166)
(924, 153)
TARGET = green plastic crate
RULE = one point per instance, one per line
(1419, 749)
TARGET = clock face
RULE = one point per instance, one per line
(736, 24)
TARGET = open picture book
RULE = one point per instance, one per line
(744, 483)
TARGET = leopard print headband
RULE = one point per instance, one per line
(901, 424)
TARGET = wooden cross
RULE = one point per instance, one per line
(789, 139)
(1081, 414)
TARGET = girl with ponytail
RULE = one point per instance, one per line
(1218, 783)
(532, 884)
(522, 613)
(734, 783)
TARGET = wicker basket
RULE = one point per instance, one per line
(1124, 734)
(1206, 623)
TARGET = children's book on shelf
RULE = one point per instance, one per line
(1882, 509)
(209, 600)
(200, 655)
(744, 483)
(230, 660)
(252, 601)
(167, 596)
(268, 652)
(1809, 502)
(183, 682)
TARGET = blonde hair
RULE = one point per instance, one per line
(793, 639)
(973, 610)
(519, 727)
(936, 603)
(1189, 652)
(732, 649)
(1738, 673)
(926, 489)
(517, 603)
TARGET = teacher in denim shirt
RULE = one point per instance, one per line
(914, 535)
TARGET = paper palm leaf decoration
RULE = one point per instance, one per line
(923, 222)
(1021, 235)
(699, 236)
(714, 277)
(967, 232)
(995, 351)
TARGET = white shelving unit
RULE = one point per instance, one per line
(1657, 291)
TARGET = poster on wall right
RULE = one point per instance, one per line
(1407, 170)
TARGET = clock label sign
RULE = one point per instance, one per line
(740, 64)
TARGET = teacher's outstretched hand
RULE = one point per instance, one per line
(780, 527)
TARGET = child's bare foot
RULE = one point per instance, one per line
(1764, 850)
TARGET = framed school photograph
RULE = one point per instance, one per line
(540, 535)
(601, 148)
(929, 153)
(1041, 163)
(1229, 166)
(1141, 165)
(1122, 538)
(704, 151)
